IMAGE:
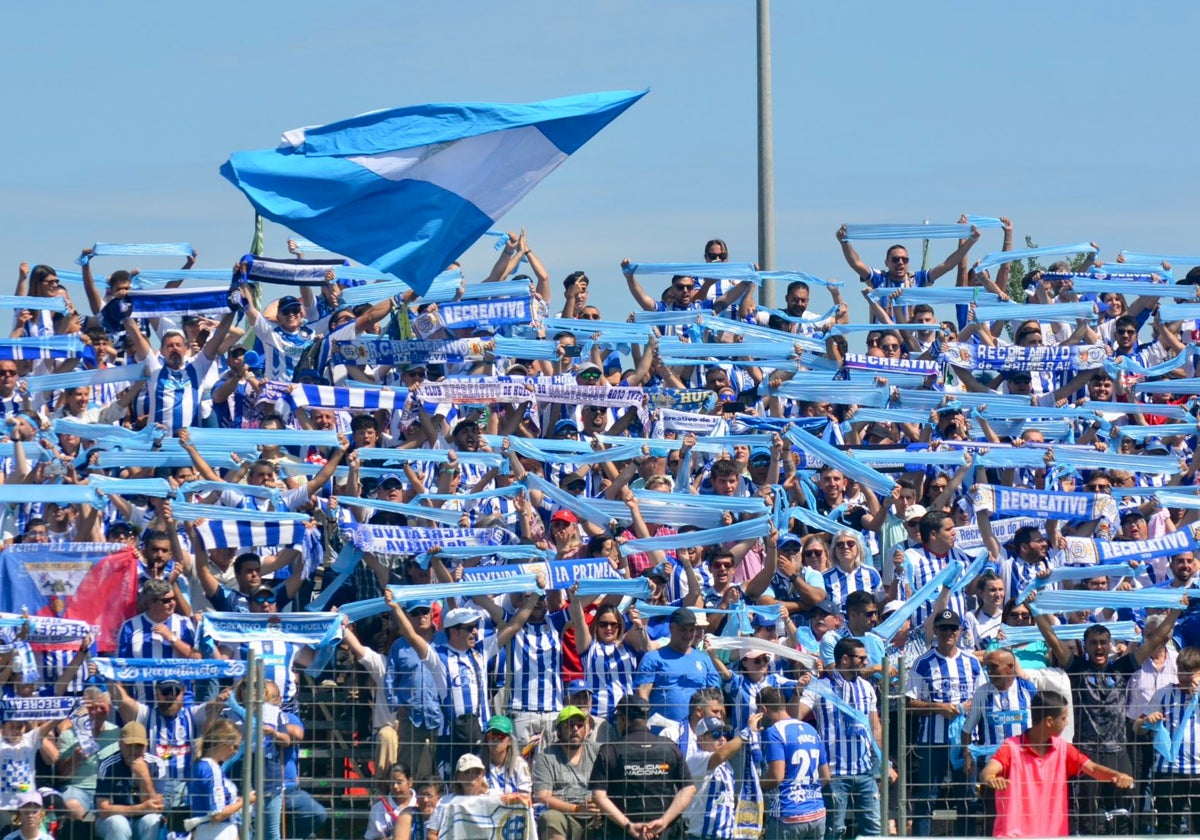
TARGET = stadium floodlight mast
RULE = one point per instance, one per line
(766, 157)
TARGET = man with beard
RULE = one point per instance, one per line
(560, 778)
(175, 381)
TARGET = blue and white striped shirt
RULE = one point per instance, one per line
(1174, 703)
(537, 665)
(609, 670)
(840, 583)
(925, 564)
(461, 676)
(137, 640)
(934, 678)
(171, 737)
(849, 745)
(712, 810)
(996, 715)
(175, 394)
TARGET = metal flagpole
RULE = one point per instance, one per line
(766, 157)
(247, 744)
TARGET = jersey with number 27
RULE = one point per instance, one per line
(799, 747)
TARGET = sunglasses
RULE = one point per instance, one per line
(714, 255)
(590, 376)
(814, 552)
(682, 288)
(170, 691)
(167, 600)
(947, 628)
(903, 260)
(845, 545)
(610, 625)
(263, 599)
(1126, 332)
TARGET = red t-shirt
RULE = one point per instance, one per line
(1035, 802)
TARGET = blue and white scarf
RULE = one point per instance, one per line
(1052, 505)
(153, 670)
(1011, 357)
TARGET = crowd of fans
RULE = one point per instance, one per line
(762, 516)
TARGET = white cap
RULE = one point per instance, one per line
(468, 761)
(459, 616)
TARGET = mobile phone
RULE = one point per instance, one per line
(572, 351)
(733, 407)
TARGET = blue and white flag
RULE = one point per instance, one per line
(216, 533)
(485, 818)
(155, 303)
(408, 190)
(333, 396)
(153, 670)
(1012, 357)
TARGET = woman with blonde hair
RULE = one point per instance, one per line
(214, 800)
(850, 572)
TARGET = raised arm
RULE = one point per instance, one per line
(951, 261)
(851, 256)
(635, 288)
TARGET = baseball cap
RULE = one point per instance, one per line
(459, 616)
(30, 797)
(134, 734)
(564, 515)
(263, 588)
(683, 617)
(789, 539)
(947, 617)
(468, 762)
(572, 478)
(760, 620)
(253, 360)
(914, 512)
(828, 606)
(1155, 444)
(161, 684)
(565, 426)
(1132, 514)
(413, 606)
(576, 687)
(890, 607)
(289, 302)
(500, 723)
(710, 725)
(464, 424)
(760, 453)
(570, 713)
(392, 477)
(632, 706)
(587, 367)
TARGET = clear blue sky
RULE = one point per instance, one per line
(1071, 118)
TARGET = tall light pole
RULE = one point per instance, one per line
(766, 157)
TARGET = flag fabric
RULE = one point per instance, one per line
(408, 190)
(92, 582)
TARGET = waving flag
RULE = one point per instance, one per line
(92, 582)
(409, 190)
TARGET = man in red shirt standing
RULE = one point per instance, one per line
(1029, 774)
